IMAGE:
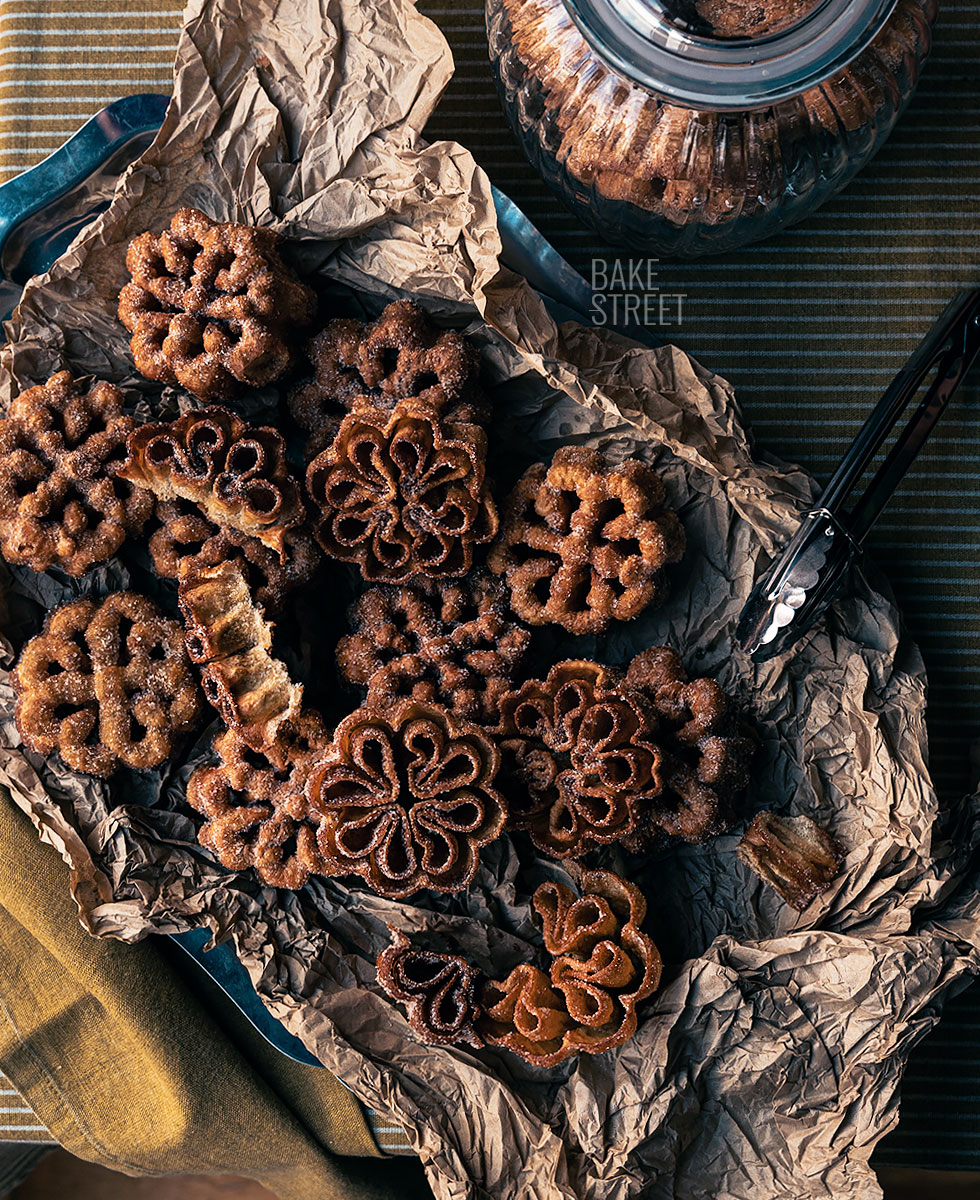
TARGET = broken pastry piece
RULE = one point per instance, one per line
(403, 494)
(400, 355)
(211, 306)
(255, 803)
(582, 544)
(236, 473)
(439, 990)
(406, 798)
(230, 640)
(456, 643)
(184, 533)
(106, 684)
(793, 855)
(61, 501)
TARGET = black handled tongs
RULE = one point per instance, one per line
(807, 575)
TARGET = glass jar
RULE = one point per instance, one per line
(689, 127)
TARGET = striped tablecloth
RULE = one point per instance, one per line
(810, 328)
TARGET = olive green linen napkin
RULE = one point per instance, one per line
(120, 1058)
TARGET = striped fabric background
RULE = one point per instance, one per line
(810, 328)
(17, 1120)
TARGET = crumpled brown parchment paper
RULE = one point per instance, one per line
(767, 1065)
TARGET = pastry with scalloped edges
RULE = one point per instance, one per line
(256, 806)
(456, 643)
(582, 544)
(234, 472)
(62, 503)
(106, 684)
(399, 355)
(403, 494)
(406, 798)
(211, 306)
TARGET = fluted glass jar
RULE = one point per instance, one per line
(690, 127)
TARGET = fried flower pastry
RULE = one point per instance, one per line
(106, 684)
(580, 759)
(230, 640)
(212, 306)
(793, 855)
(406, 797)
(236, 473)
(439, 990)
(186, 535)
(256, 806)
(525, 1014)
(453, 643)
(602, 963)
(706, 755)
(400, 355)
(61, 502)
(403, 494)
(582, 544)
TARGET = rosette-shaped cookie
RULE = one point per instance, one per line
(184, 534)
(706, 755)
(212, 306)
(61, 502)
(439, 991)
(403, 494)
(230, 640)
(580, 759)
(106, 684)
(454, 643)
(256, 805)
(400, 355)
(602, 963)
(525, 1014)
(582, 544)
(236, 473)
(793, 855)
(406, 797)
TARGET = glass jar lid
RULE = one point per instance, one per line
(727, 55)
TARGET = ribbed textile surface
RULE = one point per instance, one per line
(809, 327)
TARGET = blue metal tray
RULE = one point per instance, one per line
(43, 209)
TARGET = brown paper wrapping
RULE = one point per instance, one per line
(768, 1063)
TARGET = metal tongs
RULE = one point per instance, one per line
(794, 591)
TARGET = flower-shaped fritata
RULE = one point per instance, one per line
(602, 963)
(402, 493)
(405, 796)
(455, 643)
(582, 544)
(580, 759)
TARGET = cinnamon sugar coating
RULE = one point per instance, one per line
(453, 643)
(440, 991)
(255, 803)
(406, 797)
(400, 355)
(212, 306)
(228, 637)
(602, 963)
(580, 758)
(235, 472)
(707, 756)
(186, 535)
(602, 967)
(403, 494)
(106, 684)
(793, 855)
(61, 502)
(582, 544)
